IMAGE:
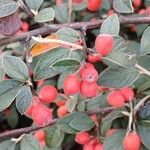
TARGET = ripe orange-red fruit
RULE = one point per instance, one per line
(89, 90)
(93, 58)
(132, 141)
(104, 44)
(77, 1)
(90, 75)
(41, 115)
(115, 99)
(60, 103)
(24, 26)
(98, 146)
(47, 94)
(128, 93)
(35, 102)
(39, 135)
(88, 146)
(62, 111)
(136, 3)
(71, 85)
(93, 5)
(82, 138)
(110, 132)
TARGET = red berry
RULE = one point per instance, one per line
(58, 2)
(24, 26)
(132, 141)
(62, 111)
(93, 58)
(128, 93)
(115, 99)
(93, 5)
(110, 132)
(136, 3)
(148, 11)
(82, 138)
(90, 75)
(104, 44)
(98, 146)
(77, 1)
(41, 115)
(71, 85)
(88, 146)
(39, 135)
(47, 94)
(60, 103)
(89, 90)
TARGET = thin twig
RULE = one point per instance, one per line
(77, 25)
(18, 132)
(142, 70)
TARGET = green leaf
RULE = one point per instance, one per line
(7, 7)
(57, 61)
(8, 91)
(82, 122)
(13, 118)
(115, 141)
(96, 102)
(108, 119)
(79, 6)
(123, 6)
(68, 34)
(66, 65)
(28, 142)
(61, 13)
(7, 145)
(54, 137)
(71, 103)
(144, 132)
(145, 44)
(15, 68)
(111, 25)
(117, 77)
(23, 99)
(64, 125)
(34, 4)
(45, 15)
(2, 74)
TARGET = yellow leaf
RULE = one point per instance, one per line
(40, 48)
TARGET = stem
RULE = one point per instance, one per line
(140, 103)
(46, 30)
(142, 70)
(42, 40)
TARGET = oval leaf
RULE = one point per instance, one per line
(82, 122)
(117, 77)
(8, 91)
(15, 68)
(10, 25)
(28, 142)
(7, 7)
(68, 34)
(123, 6)
(115, 141)
(34, 4)
(111, 25)
(54, 137)
(145, 44)
(45, 15)
(23, 99)
(7, 145)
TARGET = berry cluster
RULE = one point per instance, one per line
(38, 111)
